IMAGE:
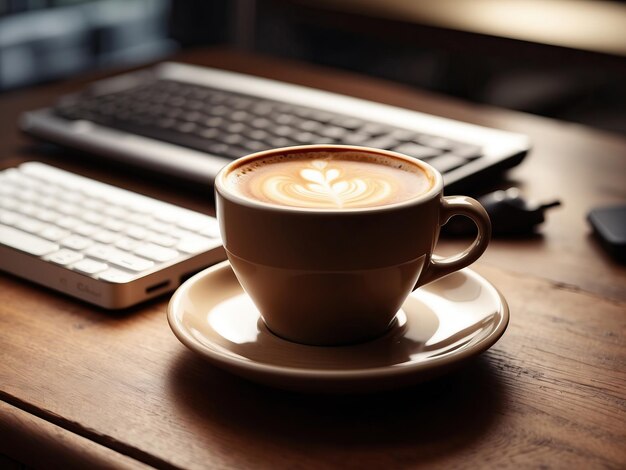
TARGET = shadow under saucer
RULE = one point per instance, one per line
(415, 425)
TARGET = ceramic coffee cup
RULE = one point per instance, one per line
(330, 276)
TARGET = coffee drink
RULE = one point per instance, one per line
(329, 240)
(330, 180)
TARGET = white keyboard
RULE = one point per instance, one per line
(97, 242)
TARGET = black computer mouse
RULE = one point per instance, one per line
(510, 214)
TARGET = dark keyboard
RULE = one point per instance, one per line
(231, 125)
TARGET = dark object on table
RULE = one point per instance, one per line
(609, 226)
(510, 214)
(187, 122)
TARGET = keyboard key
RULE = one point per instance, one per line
(234, 139)
(466, 151)
(26, 242)
(194, 105)
(47, 215)
(157, 226)
(214, 121)
(192, 116)
(234, 151)
(195, 244)
(435, 142)
(69, 222)
(162, 240)
(404, 135)
(100, 252)
(239, 102)
(219, 110)
(320, 116)
(417, 151)
(355, 139)
(130, 262)
(212, 231)
(347, 122)
(8, 203)
(187, 127)
(142, 219)
(86, 229)
(195, 223)
(72, 197)
(118, 258)
(209, 133)
(20, 180)
(39, 172)
(385, 143)
(76, 242)
(49, 203)
(178, 233)
(27, 195)
(128, 244)
(217, 148)
(53, 233)
(29, 225)
(375, 130)
(446, 162)
(137, 232)
(8, 217)
(114, 211)
(6, 189)
(166, 215)
(240, 116)
(115, 275)
(315, 127)
(114, 225)
(176, 102)
(261, 123)
(280, 142)
(218, 97)
(333, 132)
(255, 146)
(89, 266)
(105, 236)
(262, 108)
(67, 209)
(286, 119)
(306, 138)
(27, 208)
(283, 131)
(257, 134)
(64, 257)
(156, 253)
(94, 204)
(166, 123)
(49, 190)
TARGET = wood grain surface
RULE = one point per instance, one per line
(551, 393)
(41, 444)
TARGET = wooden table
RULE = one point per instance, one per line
(89, 388)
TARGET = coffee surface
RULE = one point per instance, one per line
(329, 180)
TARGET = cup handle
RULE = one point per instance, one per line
(468, 207)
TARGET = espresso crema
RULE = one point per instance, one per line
(329, 180)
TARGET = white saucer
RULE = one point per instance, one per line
(440, 325)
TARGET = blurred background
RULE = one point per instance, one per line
(557, 58)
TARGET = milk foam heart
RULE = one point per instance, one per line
(337, 180)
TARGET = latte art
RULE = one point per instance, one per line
(323, 185)
(330, 180)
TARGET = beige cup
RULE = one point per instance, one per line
(329, 277)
